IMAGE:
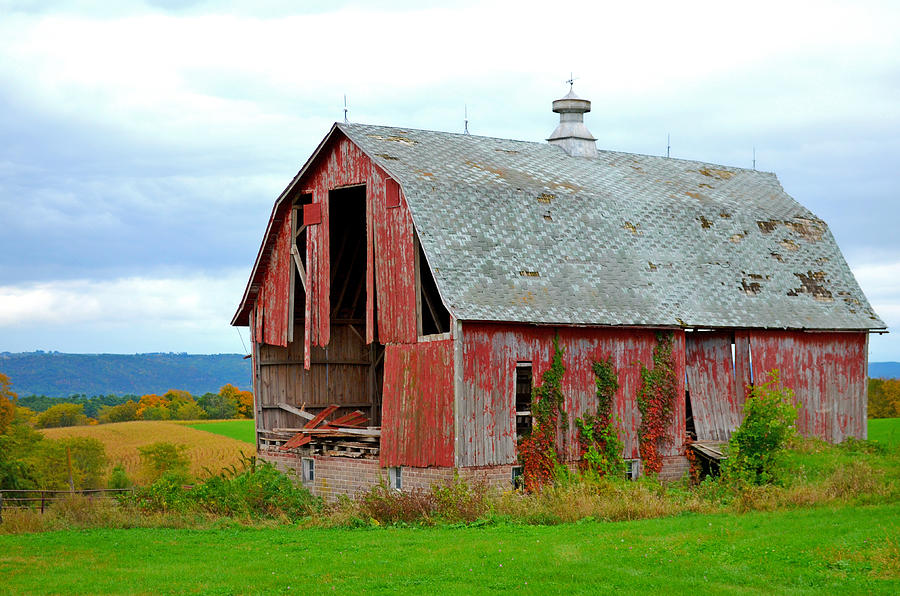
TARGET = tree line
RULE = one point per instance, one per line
(30, 460)
(50, 412)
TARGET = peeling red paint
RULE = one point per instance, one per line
(490, 353)
(271, 309)
(827, 372)
(417, 406)
(710, 380)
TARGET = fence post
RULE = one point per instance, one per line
(1, 506)
(42, 502)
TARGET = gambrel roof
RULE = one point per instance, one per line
(522, 232)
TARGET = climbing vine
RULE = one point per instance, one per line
(656, 401)
(538, 451)
(601, 448)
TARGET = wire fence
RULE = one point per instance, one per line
(34, 498)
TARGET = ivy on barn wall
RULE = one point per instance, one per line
(539, 452)
(656, 401)
(601, 447)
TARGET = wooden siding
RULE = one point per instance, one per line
(827, 372)
(390, 255)
(271, 316)
(486, 419)
(709, 369)
(337, 375)
(395, 272)
(417, 427)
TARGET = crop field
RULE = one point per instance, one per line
(242, 430)
(853, 550)
(205, 450)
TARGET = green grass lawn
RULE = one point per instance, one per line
(816, 550)
(885, 430)
(242, 430)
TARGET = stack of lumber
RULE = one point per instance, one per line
(346, 435)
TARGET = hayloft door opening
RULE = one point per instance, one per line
(358, 365)
(433, 317)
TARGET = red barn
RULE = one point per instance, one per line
(410, 285)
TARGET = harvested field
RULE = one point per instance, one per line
(204, 450)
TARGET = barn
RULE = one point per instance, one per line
(413, 287)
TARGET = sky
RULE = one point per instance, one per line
(142, 144)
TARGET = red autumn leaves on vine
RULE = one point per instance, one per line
(656, 401)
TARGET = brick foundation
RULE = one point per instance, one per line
(336, 476)
(674, 467)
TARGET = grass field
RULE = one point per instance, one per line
(885, 430)
(851, 550)
(122, 439)
(242, 430)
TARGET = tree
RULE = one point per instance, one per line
(217, 406)
(121, 413)
(64, 414)
(149, 401)
(51, 462)
(189, 411)
(243, 400)
(7, 403)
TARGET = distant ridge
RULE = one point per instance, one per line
(55, 374)
(884, 370)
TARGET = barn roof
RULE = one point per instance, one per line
(523, 232)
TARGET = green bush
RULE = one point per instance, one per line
(118, 478)
(259, 491)
(758, 444)
(163, 458)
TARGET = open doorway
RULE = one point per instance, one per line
(357, 367)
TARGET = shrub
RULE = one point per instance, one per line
(260, 490)
(161, 458)
(118, 478)
(758, 444)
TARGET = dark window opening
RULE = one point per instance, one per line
(689, 429)
(435, 318)
(347, 239)
(523, 399)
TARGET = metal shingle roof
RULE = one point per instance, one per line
(521, 231)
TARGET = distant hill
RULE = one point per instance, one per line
(60, 375)
(884, 370)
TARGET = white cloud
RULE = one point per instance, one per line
(187, 303)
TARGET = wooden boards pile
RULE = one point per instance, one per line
(346, 436)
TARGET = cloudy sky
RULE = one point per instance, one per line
(142, 144)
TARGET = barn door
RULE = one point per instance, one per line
(709, 369)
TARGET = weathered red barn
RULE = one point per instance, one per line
(411, 283)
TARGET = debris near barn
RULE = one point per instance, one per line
(421, 278)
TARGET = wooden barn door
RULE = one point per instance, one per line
(709, 371)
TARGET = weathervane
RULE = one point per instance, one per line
(466, 111)
(571, 81)
(345, 109)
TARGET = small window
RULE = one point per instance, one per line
(632, 469)
(523, 399)
(308, 469)
(518, 478)
(395, 478)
